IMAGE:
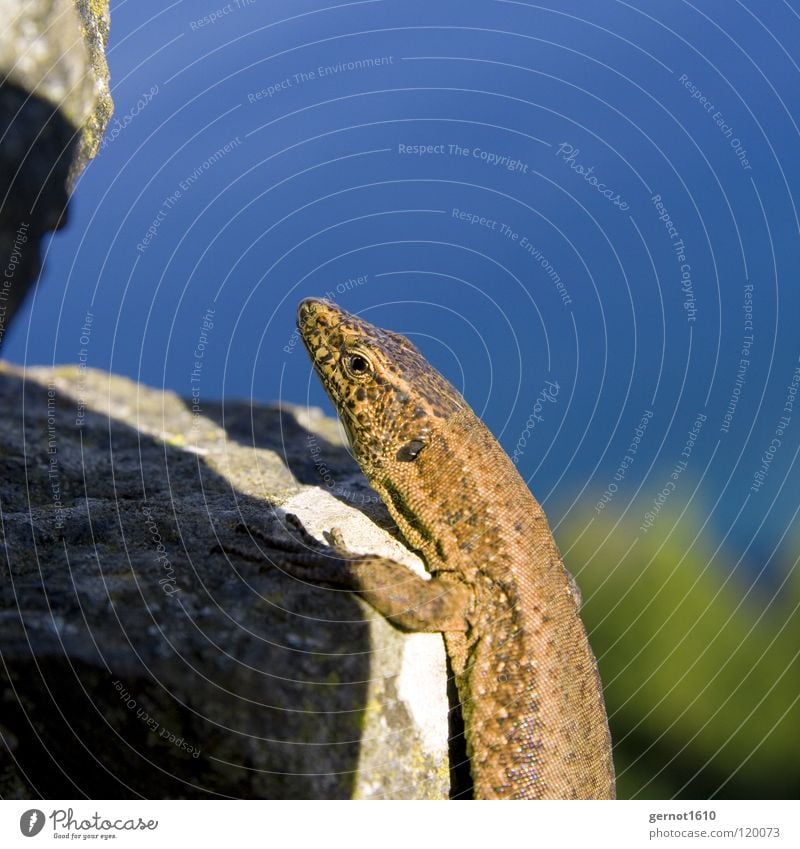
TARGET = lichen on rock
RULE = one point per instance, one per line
(55, 102)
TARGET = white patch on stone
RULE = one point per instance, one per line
(422, 679)
(319, 511)
(422, 686)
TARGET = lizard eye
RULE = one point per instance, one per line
(358, 365)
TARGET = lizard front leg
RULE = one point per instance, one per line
(395, 591)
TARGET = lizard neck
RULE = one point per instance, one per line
(459, 499)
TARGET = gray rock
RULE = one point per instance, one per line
(148, 650)
(54, 105)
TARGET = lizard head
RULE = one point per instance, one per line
(388, 397)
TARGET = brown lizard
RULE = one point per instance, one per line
(527, 680)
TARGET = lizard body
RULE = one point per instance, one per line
(527, 680)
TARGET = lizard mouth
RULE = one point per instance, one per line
(319, 323)
(316, 319)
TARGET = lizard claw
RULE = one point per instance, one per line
(298, 541)
(336, 540)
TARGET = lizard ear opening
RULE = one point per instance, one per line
(410, 451)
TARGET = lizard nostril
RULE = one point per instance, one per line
(306, 309)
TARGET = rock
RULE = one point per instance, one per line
(54, 105)
(141, 659)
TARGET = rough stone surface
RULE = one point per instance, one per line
(140, 659)
(54, 105)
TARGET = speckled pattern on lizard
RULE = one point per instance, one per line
(530, 693)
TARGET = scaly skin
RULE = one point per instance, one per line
(531, 696)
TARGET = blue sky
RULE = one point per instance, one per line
(599, 196)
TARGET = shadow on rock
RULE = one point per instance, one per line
(137, 660)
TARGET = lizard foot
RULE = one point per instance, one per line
(298, 545)
(337, 543)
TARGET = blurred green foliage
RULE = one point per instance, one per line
(698, 656)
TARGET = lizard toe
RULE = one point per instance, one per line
(337, 543)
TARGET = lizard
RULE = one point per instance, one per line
(530, 692)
